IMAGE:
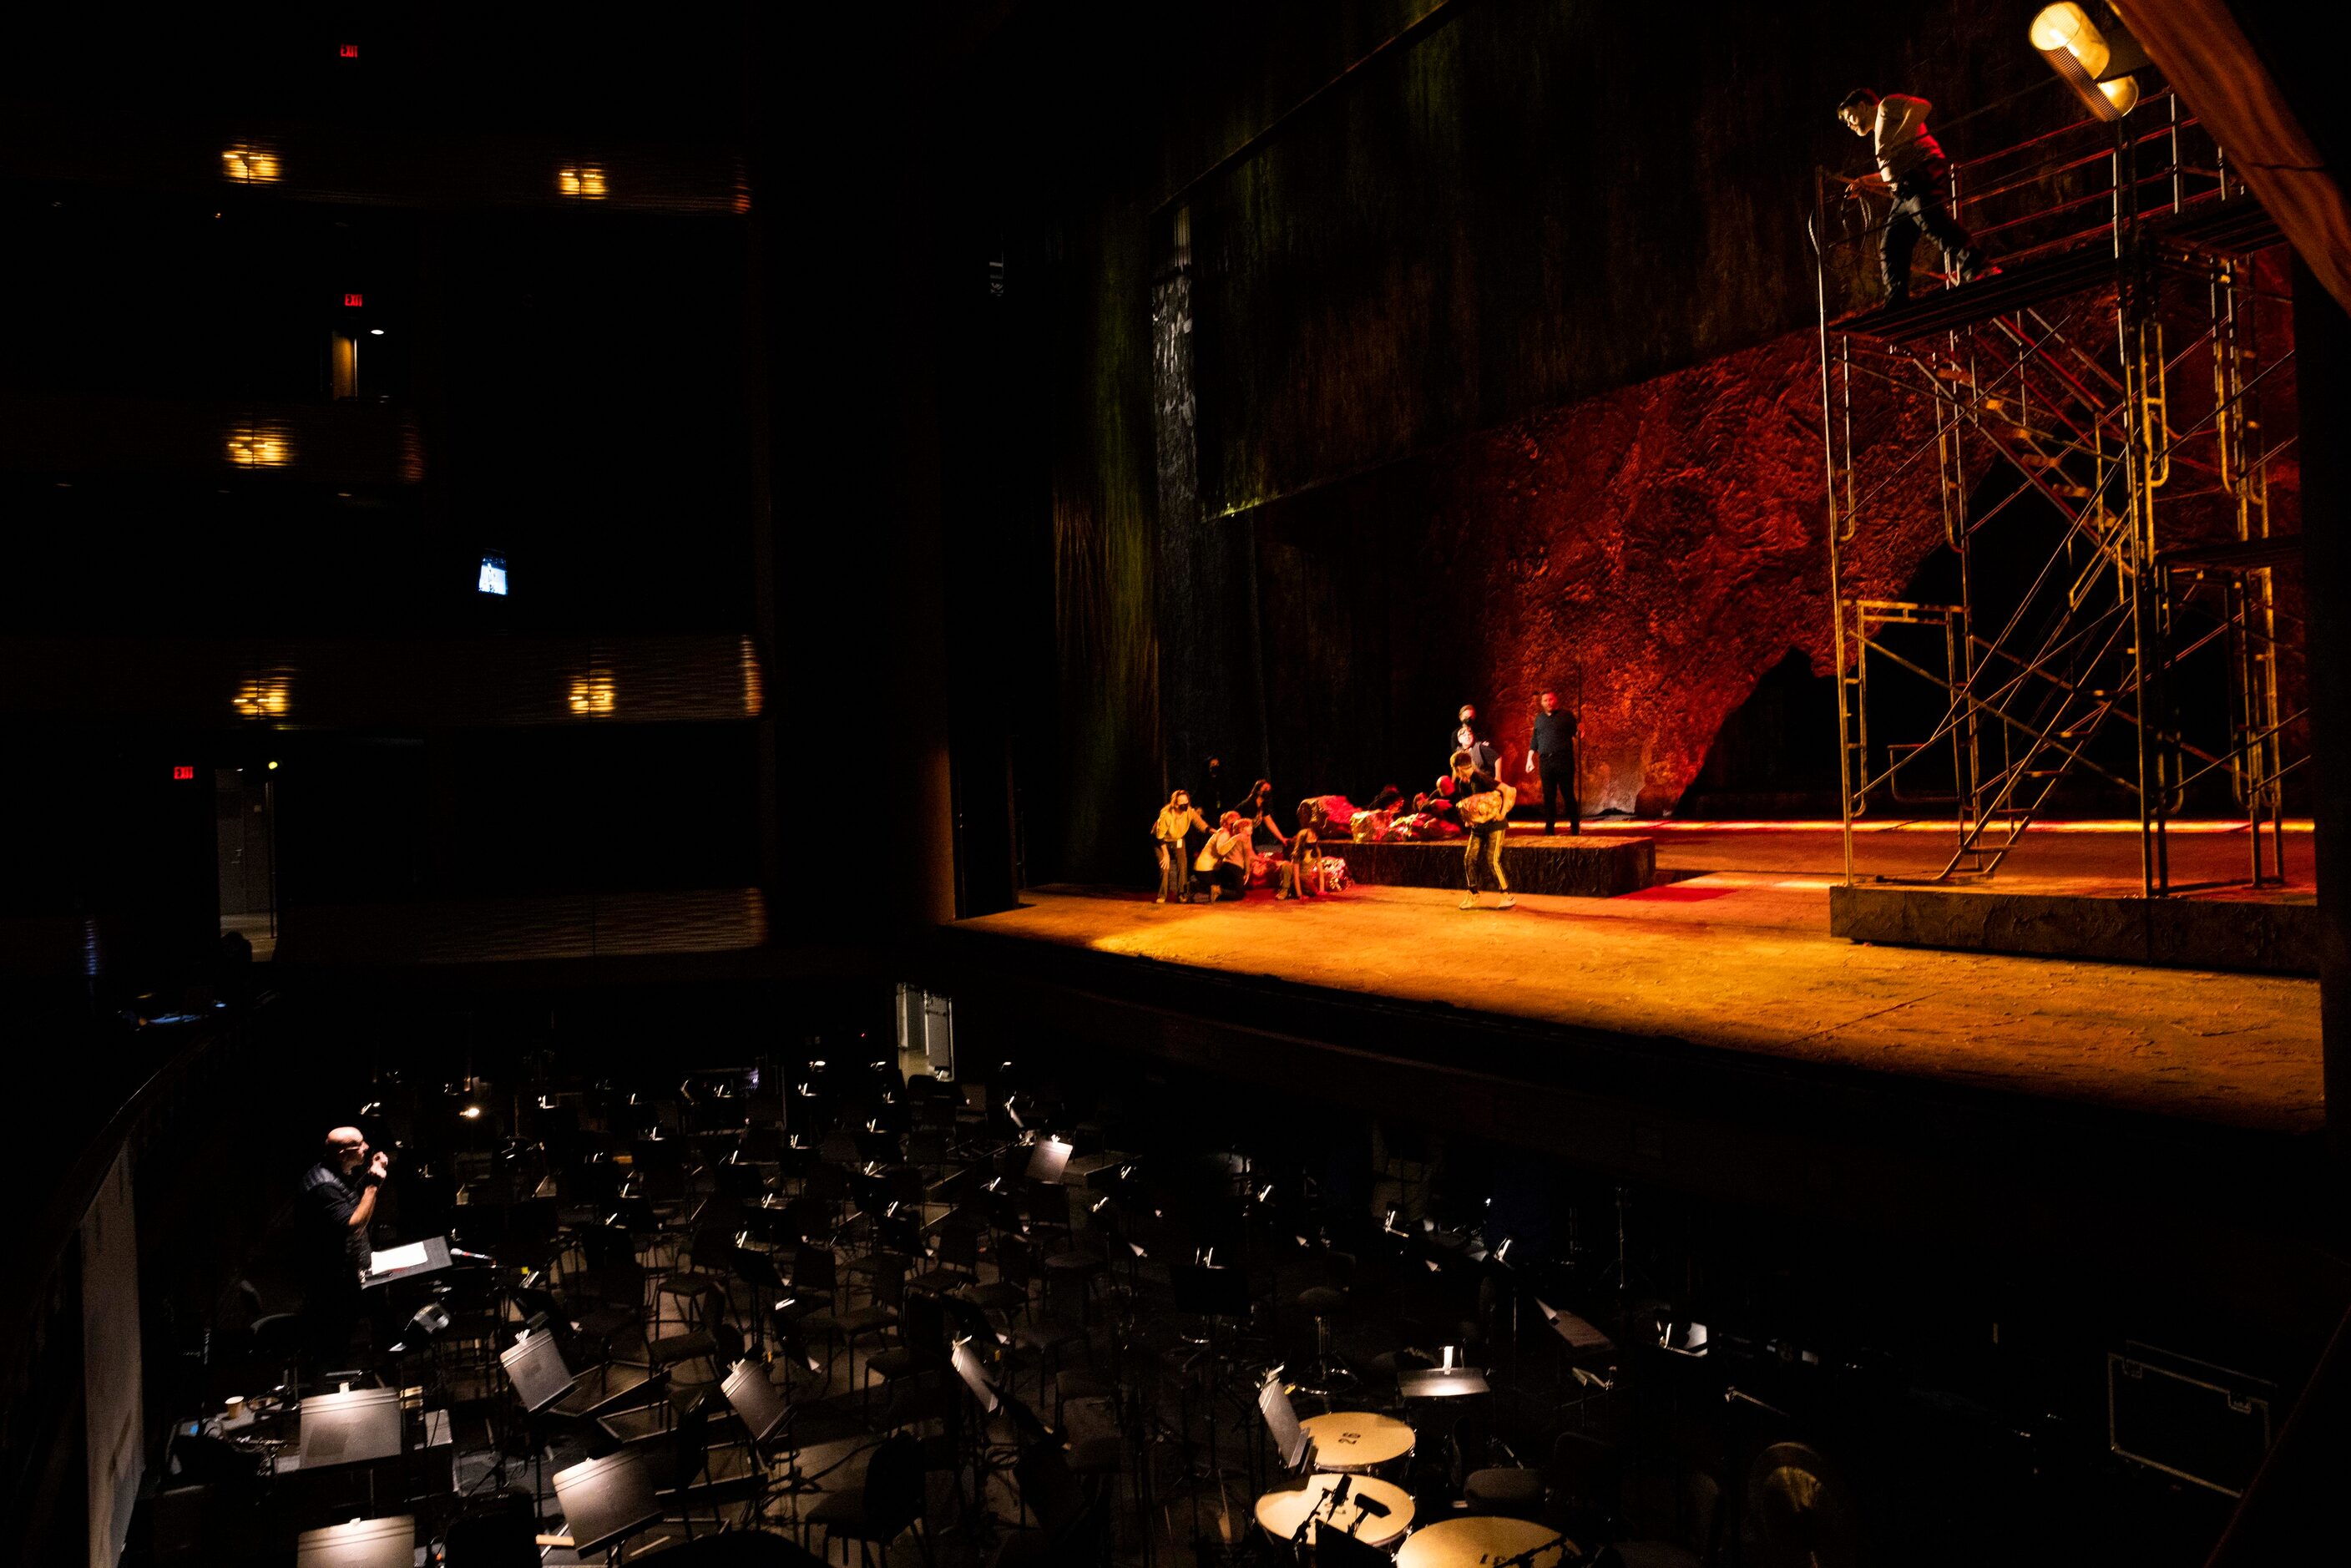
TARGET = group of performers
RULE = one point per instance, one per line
(1470, 799)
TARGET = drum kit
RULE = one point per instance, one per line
(1345, 1505)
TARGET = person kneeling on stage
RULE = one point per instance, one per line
(1224, 858)
(1171, 833)
(339, 1197)
(1301, 873)
(1484, 802)
(1258, 809)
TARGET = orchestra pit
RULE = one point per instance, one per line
(1423, 784)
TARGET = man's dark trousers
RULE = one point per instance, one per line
(1918, 209)
(1558, 770)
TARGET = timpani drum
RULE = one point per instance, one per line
(1356, 1441)
(1481, 1538)
(1280, 1513)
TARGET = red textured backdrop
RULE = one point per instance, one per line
(1666, 542)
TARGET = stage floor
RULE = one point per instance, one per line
(1738, 956)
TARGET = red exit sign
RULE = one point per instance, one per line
(348, 51)
(181, 772)
(353, 301)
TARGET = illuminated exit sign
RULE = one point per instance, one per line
(348, 51)
(181, 772)
(353, 301)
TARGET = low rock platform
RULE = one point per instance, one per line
(2250, 933)
(1579, 866)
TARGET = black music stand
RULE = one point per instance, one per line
(1212, 1294)
(754, 1397)
(434, 1258)
(1293, 1444)
(1582, 1337)
(362, 1543)
(605, 1501)
(534, 1367)
(351, 1427)
(1048, 1159)
(765, 1411)
(1584, 1343)
(536, 1371)
(975, 1377)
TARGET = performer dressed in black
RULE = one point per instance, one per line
(338, 1196)
(1552, 755)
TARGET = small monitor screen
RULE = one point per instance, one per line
(494, 575)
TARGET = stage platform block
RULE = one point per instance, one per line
(2259, 935)
(1578, 867)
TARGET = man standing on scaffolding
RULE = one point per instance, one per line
(1910, 168)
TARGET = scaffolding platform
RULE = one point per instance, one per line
(2131, 640)
(2266, 931)
(2241, 226)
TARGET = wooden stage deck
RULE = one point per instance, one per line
(1743, 961)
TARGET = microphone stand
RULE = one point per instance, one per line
(1327, 1509)
(1527, 1559)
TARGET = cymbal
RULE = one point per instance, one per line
(1481, 1538)
(1441, 1383)
(1357, 1439)
(1802, 1512)
(1280, 1513)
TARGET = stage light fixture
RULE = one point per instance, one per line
(267, 695)
(259, 445)
(592, 694)
(249, 164)
(375, 332)
(471, 1112)
(2078, 52)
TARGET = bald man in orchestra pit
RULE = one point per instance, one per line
(339, 1201)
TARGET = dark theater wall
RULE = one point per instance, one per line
(1520, 207)
(1538, 203)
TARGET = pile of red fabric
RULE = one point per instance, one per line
(1328, 815)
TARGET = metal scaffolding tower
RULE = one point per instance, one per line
(2129, 276)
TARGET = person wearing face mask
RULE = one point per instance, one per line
(1177, 820)
(1483, 758)
(1224, 858)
